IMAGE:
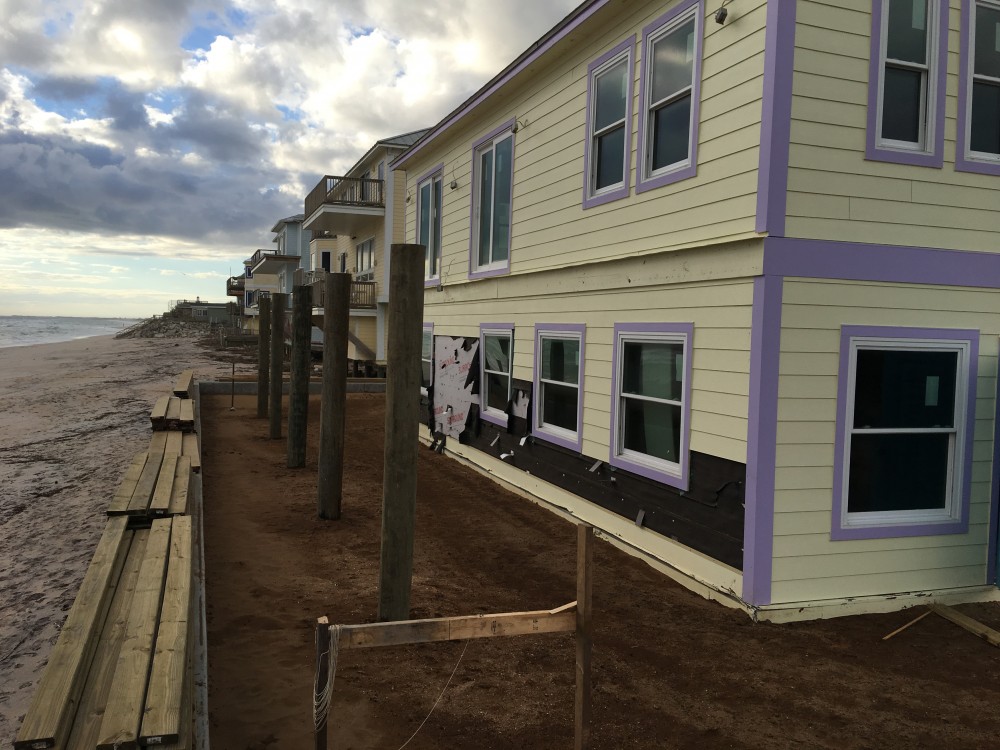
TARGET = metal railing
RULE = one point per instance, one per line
(364, 294)
(257, 256)
(346, 191)
(235, 286)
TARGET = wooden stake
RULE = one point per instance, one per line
(333, 407)
(402, 418)
(298, 388)
(914, 621)
(278, 303)
(322, 674)
(584, 633)
(263, 355)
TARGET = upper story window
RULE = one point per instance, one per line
(364, 260)
(609, 125)
(429, 223)
(492, 186)
(558, 400)
(907, 82)
(669, 97)
(904, 432)
(496, 356)
(979, 92)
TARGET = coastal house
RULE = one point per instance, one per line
(270, 271)
(353, 219)
(722, 279)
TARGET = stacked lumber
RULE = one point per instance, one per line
(182, 388)
(178, 444)
(157, 483)
(172, 413)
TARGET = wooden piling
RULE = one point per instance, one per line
(278, 303)
(298, 388)
(263, 355)
(322, 674)
(333, 408)
(402, 418)
(584, 633)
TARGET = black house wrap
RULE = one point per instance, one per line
(707, 518)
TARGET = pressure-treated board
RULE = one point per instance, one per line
(147, 484)
(182, 388)
(186, 414)
(95, 695)
(160, 503)
(173, 443)
(123, 496)
(181, 487)
(159, 413)
(48, 721)
(192, 451)
(158, 442)
(162, 715)
(173, 410)
(120, 725)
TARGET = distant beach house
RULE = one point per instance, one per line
(354, 218)
(273, 271)
(725, 285)
(224, 313)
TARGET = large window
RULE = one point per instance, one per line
(904, 432)
(558, 401)
(907, 81)
(429, 224)
(496, 355)
(651, 400)
(979, 92)
(493, 178)
(609, 125)
(364, 260)
(671, 68)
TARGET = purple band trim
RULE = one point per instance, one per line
(557, 328)
(473, 235)
(483, 329)
(840, 532)
(962, 161)
(776, 117)
(762, 431)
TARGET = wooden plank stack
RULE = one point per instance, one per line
(121, 674)
(172, 413)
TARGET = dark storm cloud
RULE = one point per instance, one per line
(215, 131)
(63, 89)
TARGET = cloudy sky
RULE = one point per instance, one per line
(147, 146)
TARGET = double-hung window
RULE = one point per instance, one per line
(427, 358)
(904, 432)
(493, 182)
(907, 81)
(496, 356)
(979, 90)
(668, 110)
(558, 400)
(651, 386)
(429, 224)
(364, 260)
(609, 125)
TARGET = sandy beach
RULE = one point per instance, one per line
(72, 415)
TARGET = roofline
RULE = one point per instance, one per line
(384, 143)
(295, 219)
(552, 37)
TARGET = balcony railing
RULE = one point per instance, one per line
(346, 191)
(256, 257)
(235, 286)
(364, 294)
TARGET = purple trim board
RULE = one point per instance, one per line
(636, 330)
(962, 161)
(557, 328)
(642, 182)
(934, 156)
(776, 117)
(483, 329)
(589, 201)
(840, 532)
(473, 236)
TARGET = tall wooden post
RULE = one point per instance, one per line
(263, 354)
(584, 633)
(278, 303)
(333, 408)
(402, 417)
(322, 677)
(298, 389)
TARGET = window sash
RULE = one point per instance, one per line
(596, 151)
(925, 123)
(543, 383)
(652, 107)
(975, 78)
(487, 370)
(493, 208)
(429, 194)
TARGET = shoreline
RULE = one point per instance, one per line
(72, 415)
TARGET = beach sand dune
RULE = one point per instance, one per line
(72, 415)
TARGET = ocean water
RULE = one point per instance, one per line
(24, 330)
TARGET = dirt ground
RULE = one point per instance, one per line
(670, 669)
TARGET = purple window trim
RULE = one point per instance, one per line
(473, 236)
(542, 329)
(762, 431)
(776, 117)
(635, 331)
(485, 328)
(438, 171)
(643, 183)
(939, 68)
(839, 532)
(994, 532)
(589, 201)
(963, 162)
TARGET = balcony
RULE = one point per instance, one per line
(235, 286)
(340, 205)
(364, 294)
(269, 262)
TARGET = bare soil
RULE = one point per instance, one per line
(671, 670)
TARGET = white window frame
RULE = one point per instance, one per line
(554, 433)
(971, 78)
(489, 144)
(433, 251)
(497, 331)
(952, 512)
(620, 188)
(428, 330)
(367, 273)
